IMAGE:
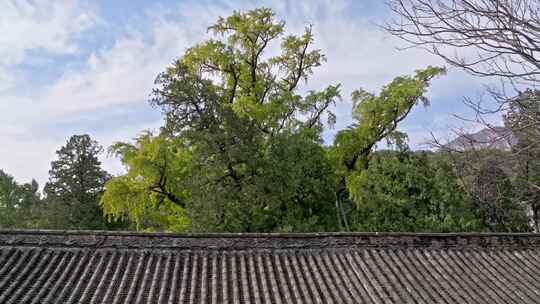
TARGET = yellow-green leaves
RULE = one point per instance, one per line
(255, 137)
(231, 98)
(257, 84)
(249, 30)
(297, 60)
(377, 116)
(152, 193)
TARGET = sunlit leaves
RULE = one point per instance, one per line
(245, 75)
(377, 116)
(254, 136)
(152, 194)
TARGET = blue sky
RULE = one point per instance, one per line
(72, 67)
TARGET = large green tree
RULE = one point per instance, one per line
(495, 200)
(491, 180)
(252, 156)
(76, 183)
(236, 107)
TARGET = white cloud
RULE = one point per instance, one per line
(360, 55)
(45, 25)
(32, 31)
(118, 75)
(27, 158)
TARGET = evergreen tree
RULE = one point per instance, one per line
(76, 183)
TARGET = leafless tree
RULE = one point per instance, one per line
(487, 38)
(484, 37)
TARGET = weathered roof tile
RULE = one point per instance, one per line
(106, 267)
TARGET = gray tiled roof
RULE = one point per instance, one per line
(106, 267)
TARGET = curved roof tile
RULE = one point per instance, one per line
(112, 267)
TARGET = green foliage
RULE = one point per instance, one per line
(252, 135)
(301, 182)
(152, 193)
(292, 190)
(76, 183)
(494, 201)
(489, 179)
(257, 156)
(19, 203)
(235, 74)
(409, 192)
(377, 118)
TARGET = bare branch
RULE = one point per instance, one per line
(499, 38)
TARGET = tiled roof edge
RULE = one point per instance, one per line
(251, 241)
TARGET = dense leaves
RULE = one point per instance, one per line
(408, 191)
(257, 163)
(378, 116)
(252, 153)
(494, 201)
(256, 158)
(151, 194)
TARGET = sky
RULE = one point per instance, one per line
(87, 67)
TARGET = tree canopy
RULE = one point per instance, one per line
(253, 158)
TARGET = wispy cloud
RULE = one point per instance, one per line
(50, 26)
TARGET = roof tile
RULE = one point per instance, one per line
(105, 267)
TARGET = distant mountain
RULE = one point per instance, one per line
(500, 138)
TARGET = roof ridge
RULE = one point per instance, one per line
(256, 234)
(247, 241)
